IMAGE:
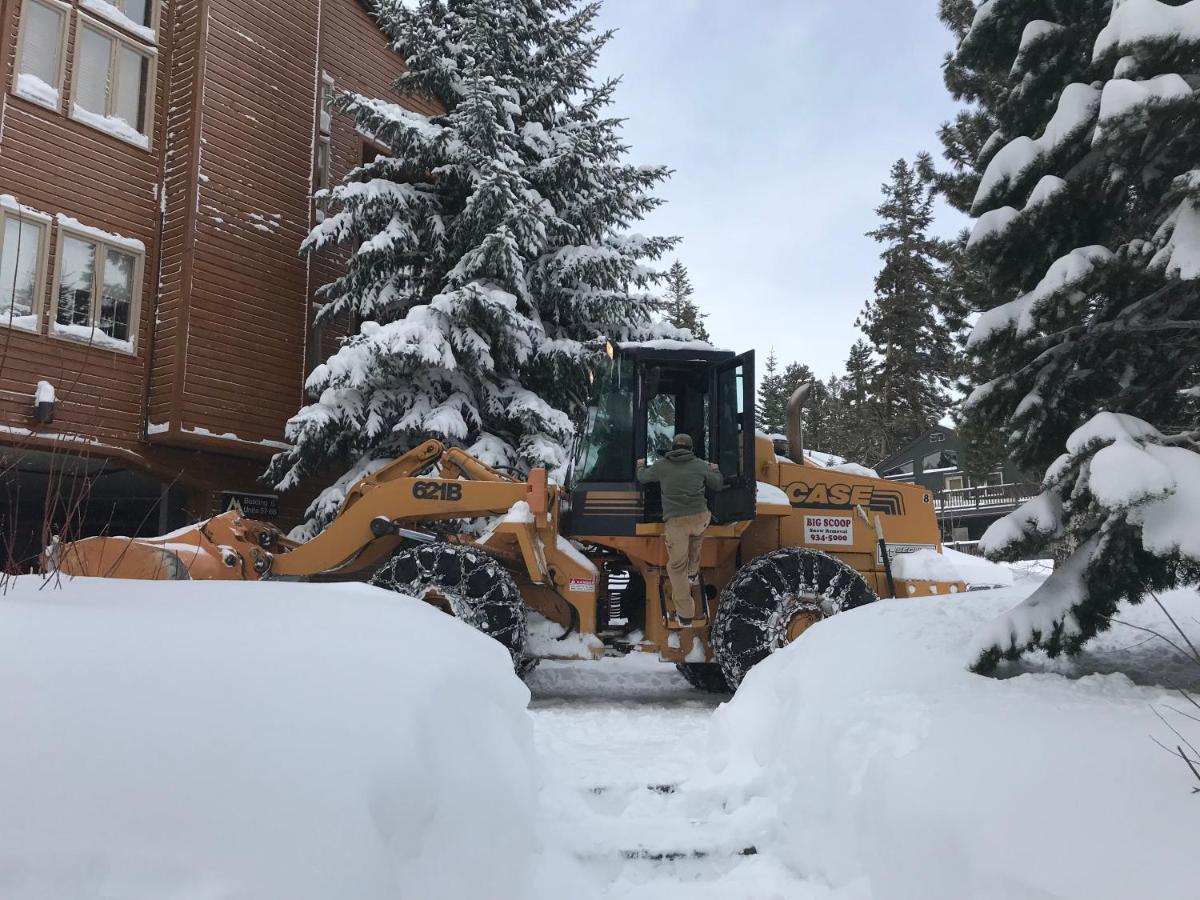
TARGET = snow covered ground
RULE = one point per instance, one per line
(240, 741)
(896, 773)
(867, 763)
(178, 742)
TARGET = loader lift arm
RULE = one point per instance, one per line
(398, 494)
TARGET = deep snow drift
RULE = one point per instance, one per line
(201, 741)
(896, 773)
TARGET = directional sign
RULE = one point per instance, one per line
(252, 506)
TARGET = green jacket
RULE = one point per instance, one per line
(683, 479)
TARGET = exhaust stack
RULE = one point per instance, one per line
(795, 428)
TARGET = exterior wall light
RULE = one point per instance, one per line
(44, 401)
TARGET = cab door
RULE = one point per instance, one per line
(732, 449)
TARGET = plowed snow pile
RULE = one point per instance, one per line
(258, 742)
(897, 773)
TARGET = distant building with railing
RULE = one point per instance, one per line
(966, 506)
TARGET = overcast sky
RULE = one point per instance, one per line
(781, 119)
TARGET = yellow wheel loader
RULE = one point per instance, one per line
(791, 542)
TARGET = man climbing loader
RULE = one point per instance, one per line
(790, 543)
(682, 478)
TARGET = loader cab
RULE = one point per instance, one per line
(642, 396)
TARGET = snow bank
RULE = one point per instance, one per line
(265, 741)
(896, 774)
(924, 565)
(977, 571)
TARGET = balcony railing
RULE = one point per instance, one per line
(988, 498)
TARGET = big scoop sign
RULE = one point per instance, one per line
(836, 531)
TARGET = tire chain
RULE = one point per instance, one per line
(766, 595)
(480, 592)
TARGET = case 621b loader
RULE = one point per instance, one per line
(791, 542)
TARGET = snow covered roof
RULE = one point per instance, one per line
(697, 350)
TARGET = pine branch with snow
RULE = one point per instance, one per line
(1125, 499)
(491, 248)
(1088, 235)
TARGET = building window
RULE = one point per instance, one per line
(41, 58)
(314, 352)
(113, 85)
(955, 483)
(940, 461)
(904, 470)
(321, 178)
(97, 290)
(22, 262)
(327, 93)
(139, 12)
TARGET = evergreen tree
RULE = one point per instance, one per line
(772, 402)
(861, 440)
(834, 411)
(776, 389)
(795, 375)
(972, 134)
(819, 419)
(1088, 236)
(905, 322)
(682, 312)
(492, 258)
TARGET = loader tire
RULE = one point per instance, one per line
(706, 677)
(470, 585)
(772, 601)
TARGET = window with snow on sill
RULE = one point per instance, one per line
(30, 87)
(111, 125)
(114, 15)
(91, 335)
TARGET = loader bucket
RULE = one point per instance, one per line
(104, 557)
(226, 548)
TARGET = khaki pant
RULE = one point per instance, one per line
(685, 537)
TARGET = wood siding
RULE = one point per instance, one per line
(57, 165)
(222, 203)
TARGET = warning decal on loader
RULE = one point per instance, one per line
(833, 530)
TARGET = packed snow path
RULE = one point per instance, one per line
(623, 745)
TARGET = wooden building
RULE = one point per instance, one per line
(157, 163)
(966, 505)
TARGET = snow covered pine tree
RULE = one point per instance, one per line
(682, 311)
(772, 404)
(1089, 230)
(492, 248)
(913, 344)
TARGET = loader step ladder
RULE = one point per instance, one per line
(699, 597)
